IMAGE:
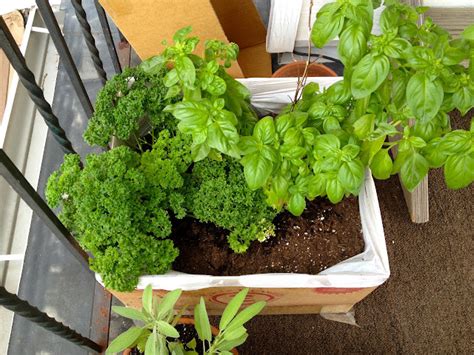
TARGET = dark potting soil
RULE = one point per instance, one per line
(324, 235)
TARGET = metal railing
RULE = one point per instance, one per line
(13, 175)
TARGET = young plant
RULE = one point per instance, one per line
(215, 108)
(158, 334)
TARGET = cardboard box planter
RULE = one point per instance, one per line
(334, 290)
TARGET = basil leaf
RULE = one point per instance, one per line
(326, 144)
(463, 99)
(264, 130)
(468, 33)
(334, 190)
(352, 45)
(171, 78)
(414, 169)
(297, 204)
(185, 70)
(381, 165)
(369, 74)
(257, 170)
(327, 26)
(351, 175)
(364, 125)
(424, 96)
(434, 154)
(396, 48)
(459, 170)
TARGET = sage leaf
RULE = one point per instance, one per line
(125, 340)
(201, 320)
(232, 308)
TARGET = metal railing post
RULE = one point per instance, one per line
(27, 78)
(108, 36)
(90, 42)
(65, 55)
(18, 182)
(22, 308)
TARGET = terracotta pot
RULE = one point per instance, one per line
(190, 321)
(296, 69)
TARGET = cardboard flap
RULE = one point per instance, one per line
(241, 22)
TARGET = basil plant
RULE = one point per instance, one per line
(397, 90)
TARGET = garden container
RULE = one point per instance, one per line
(334, 290)
(296, 69)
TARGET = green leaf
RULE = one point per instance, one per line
(232, 308)
(352, 45)
(200, 151)
(151, 344)
(217, 87)
(192, 115)
(246, 315)
(166, 329)
(171, 78)
(147, 299)
(168, 302)
(235, 333)
(456, 142)
(328, 25)
(370, 148)
(201, 320)
(463, 99)
(459, 170)
(257, 170)
(185, 70)
(228, 345)
(397, 48)
(434, 154)
(424, 96)
(264, 130)
(222, 135)
(173, 91)
(334, 190)
(297, 204)
(326, 143)
(125, 340)
(316, 186)
(468, 33)
(369, 74)
(351, 176)
(364, 125)
(414, 169)
(130, 313)
(381, 165)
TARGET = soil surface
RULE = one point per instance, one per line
(322, 236)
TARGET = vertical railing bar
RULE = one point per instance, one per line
(90, 42)
(27, 78)
(22, 308)
(18, 182)
(65, 55)
(108, 36)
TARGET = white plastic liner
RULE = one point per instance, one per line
(368, 269)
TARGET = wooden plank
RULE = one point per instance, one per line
(4, 74)
(455, 20)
